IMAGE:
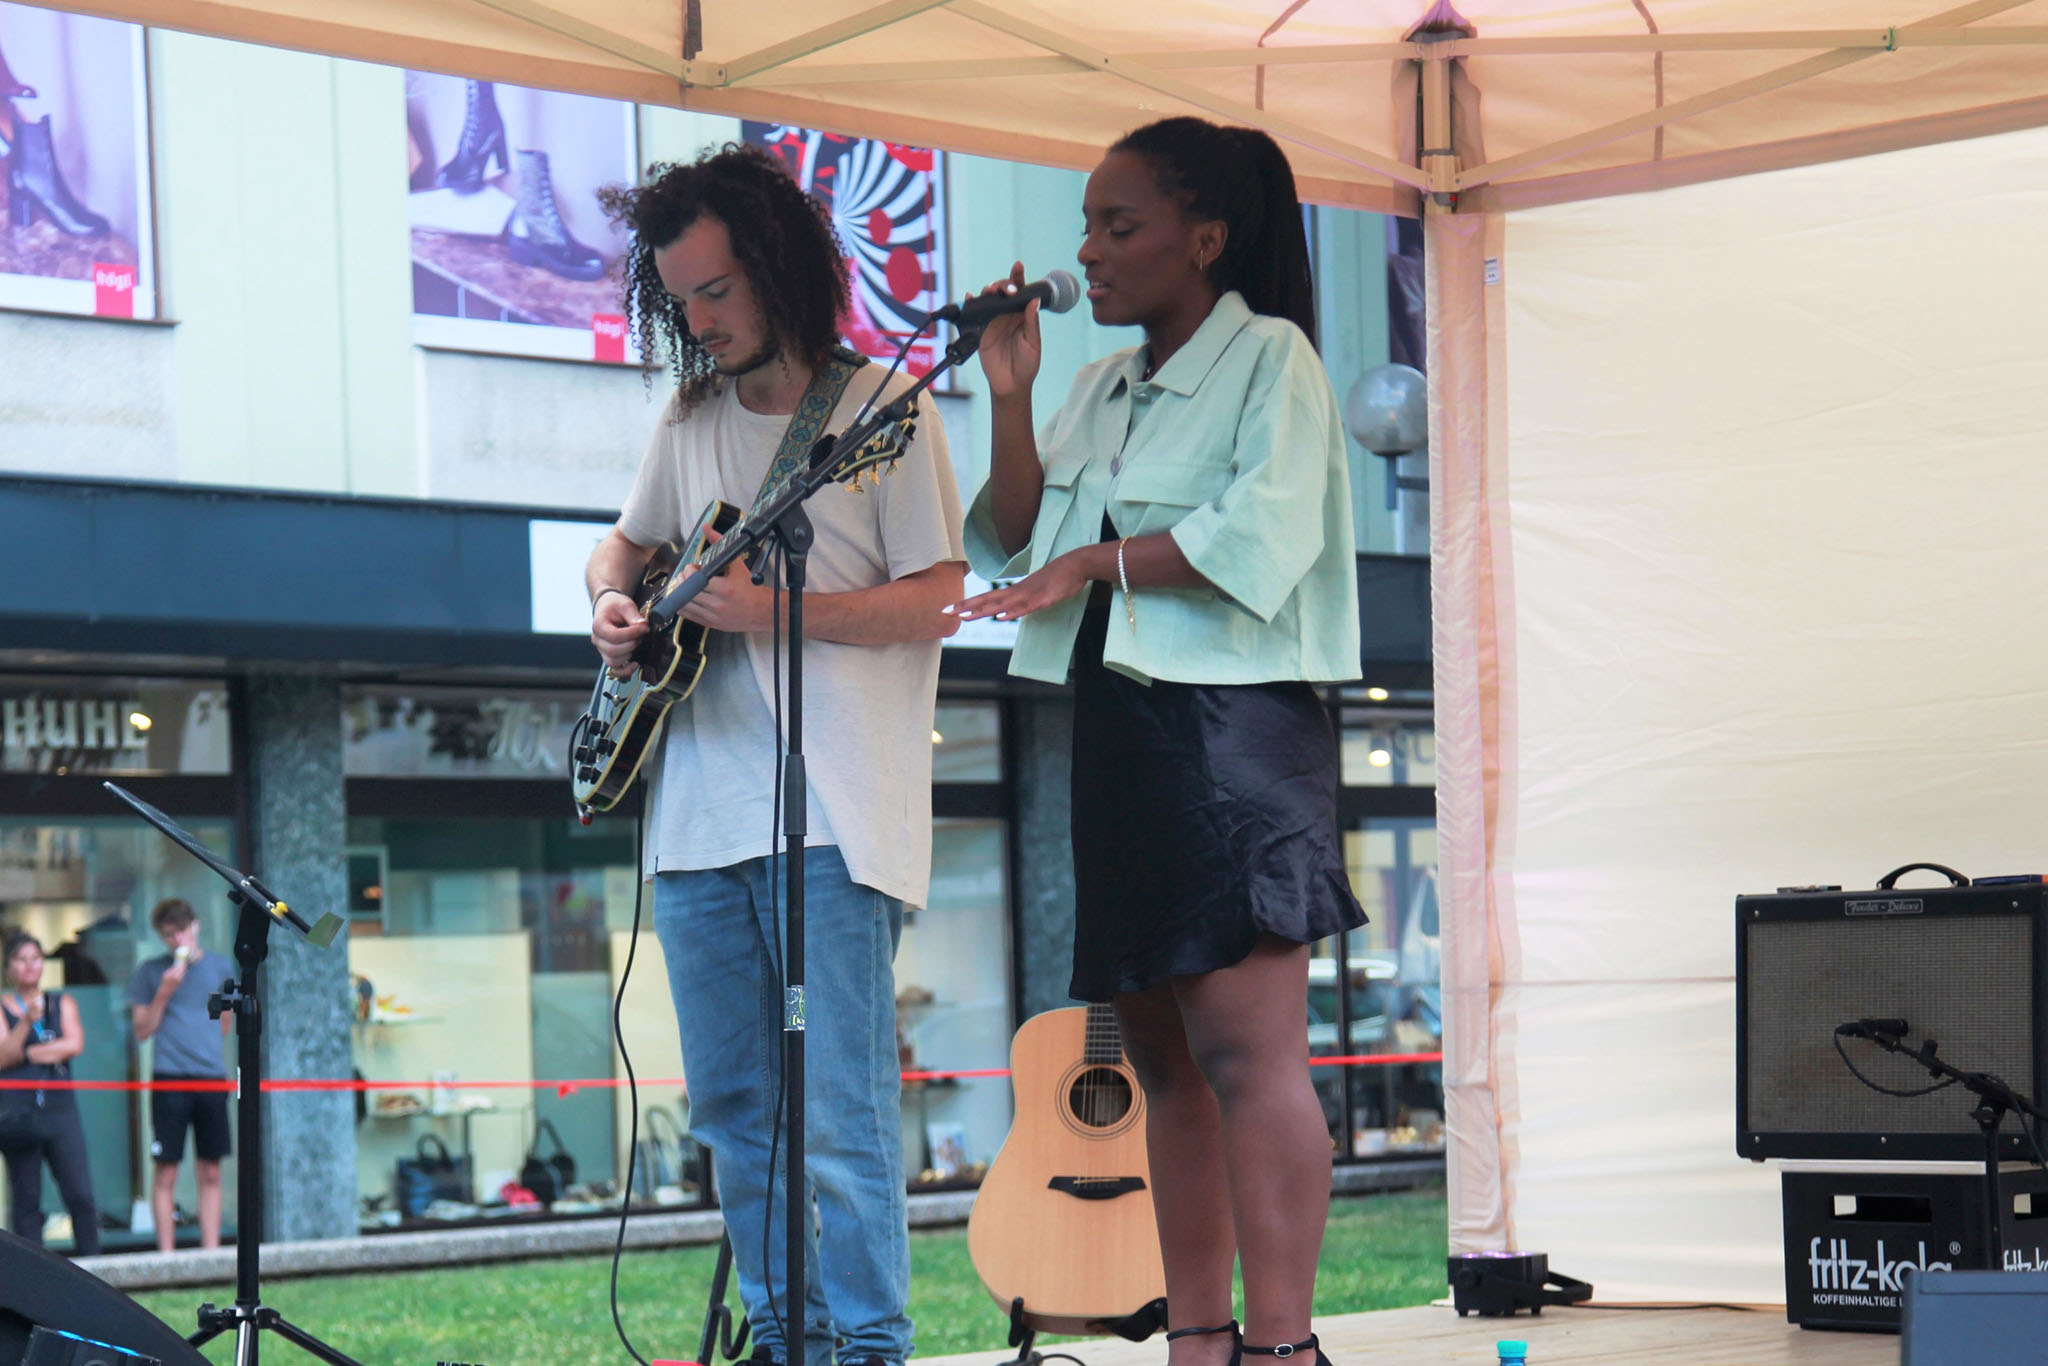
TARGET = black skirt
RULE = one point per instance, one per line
(1204, 816)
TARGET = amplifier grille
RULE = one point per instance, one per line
(1965, 981)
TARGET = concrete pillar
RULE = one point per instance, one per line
(1044, 747)
(299, 824)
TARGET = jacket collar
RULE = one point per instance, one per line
(1186, 368)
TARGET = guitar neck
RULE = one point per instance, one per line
(1104, 1041)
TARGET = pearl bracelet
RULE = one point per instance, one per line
(1124, 580)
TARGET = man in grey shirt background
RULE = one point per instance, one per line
(167, 1004)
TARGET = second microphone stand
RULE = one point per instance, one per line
(1995, 1100)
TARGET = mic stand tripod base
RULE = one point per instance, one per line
(249, 1316)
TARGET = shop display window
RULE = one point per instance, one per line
(84, 887)
(1389, 1001)
(488, 944)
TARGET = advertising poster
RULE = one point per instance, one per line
(74, 139)
(888, 205)
(511, 252)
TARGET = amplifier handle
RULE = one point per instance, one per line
(1889, 880)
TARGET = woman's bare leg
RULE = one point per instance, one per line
(1190, 1191)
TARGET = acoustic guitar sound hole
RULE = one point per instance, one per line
(1099, 1097)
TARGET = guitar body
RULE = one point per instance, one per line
(1064, 1218)
(610, 742)
(626, 714)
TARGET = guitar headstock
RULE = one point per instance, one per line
(885, 447)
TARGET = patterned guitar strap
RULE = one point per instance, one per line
(807, 423)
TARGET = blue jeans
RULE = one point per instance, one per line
(722, 939)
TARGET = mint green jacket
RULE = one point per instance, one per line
(1236, 447)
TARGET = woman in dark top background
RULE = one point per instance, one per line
(40, 1034)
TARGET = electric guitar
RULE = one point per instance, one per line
(1063, 1220)
(611, 741)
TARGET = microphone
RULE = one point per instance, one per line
(1870, 1029)
(1056, 293)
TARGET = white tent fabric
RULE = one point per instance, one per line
(1586, 847)
(1761, 608)
(1579, 99)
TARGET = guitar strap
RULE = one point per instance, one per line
(807, 423)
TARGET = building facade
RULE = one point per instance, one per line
(284, 562)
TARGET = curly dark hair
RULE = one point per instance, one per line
(1240, 177)
(781, 237)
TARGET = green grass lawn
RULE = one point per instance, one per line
(1382, 1252)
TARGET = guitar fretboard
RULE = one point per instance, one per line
(1103, 1042)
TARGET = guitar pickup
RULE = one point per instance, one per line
(1096, 1187)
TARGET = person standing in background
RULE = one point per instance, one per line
(40, 1034)
(167, 1004)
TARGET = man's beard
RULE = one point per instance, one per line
(764, 357)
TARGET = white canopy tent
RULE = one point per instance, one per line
(1617, 501)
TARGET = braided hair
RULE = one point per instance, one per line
(1239, 177)
(781, 237)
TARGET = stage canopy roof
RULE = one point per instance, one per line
(1542, 101)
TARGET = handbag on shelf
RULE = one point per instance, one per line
(431, 1174)
(550, 1177)
(667, 1156)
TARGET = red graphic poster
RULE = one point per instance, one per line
(888, 207)
(608, 336)
(113, 290)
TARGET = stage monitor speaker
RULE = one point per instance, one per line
(1962, 965)
(1984, 1318)
(38, 1290)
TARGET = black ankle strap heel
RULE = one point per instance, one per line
(1285, 1350)
(1230, 1328)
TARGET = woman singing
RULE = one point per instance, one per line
(40, 1034)
(1183, 526)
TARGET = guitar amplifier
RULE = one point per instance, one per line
(1963, 965)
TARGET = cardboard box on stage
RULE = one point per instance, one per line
(1850, 1236)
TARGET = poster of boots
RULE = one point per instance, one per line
(75, 235)
(888, 206)
(511, 252)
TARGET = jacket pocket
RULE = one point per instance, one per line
(1181, 483)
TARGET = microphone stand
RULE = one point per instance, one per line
(1995, 1100)
(259, 908)
(784, 521)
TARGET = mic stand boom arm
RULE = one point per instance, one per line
(1995, 1099)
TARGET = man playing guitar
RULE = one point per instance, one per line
(734, 275)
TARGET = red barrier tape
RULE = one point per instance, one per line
(565, 1088)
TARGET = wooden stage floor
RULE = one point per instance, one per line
(1560, 1337)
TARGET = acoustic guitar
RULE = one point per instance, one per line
(610, 742)
(1064, 1219)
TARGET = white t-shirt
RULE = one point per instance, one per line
(867, 708)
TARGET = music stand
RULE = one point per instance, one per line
(258, 910)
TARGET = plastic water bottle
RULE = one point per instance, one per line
(1513, 1353)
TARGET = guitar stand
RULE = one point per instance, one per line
(1022, 1337)
(718, 1334)
(1135, 1327)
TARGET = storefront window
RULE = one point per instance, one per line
(64, 726)
(1388, 749)
(953, 1008)
(85, 887)
(1392, 1001)
(486, 953)
(490, 947)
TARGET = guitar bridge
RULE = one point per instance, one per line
(1096, 1187)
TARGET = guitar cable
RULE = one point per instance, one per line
(632, 1082)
